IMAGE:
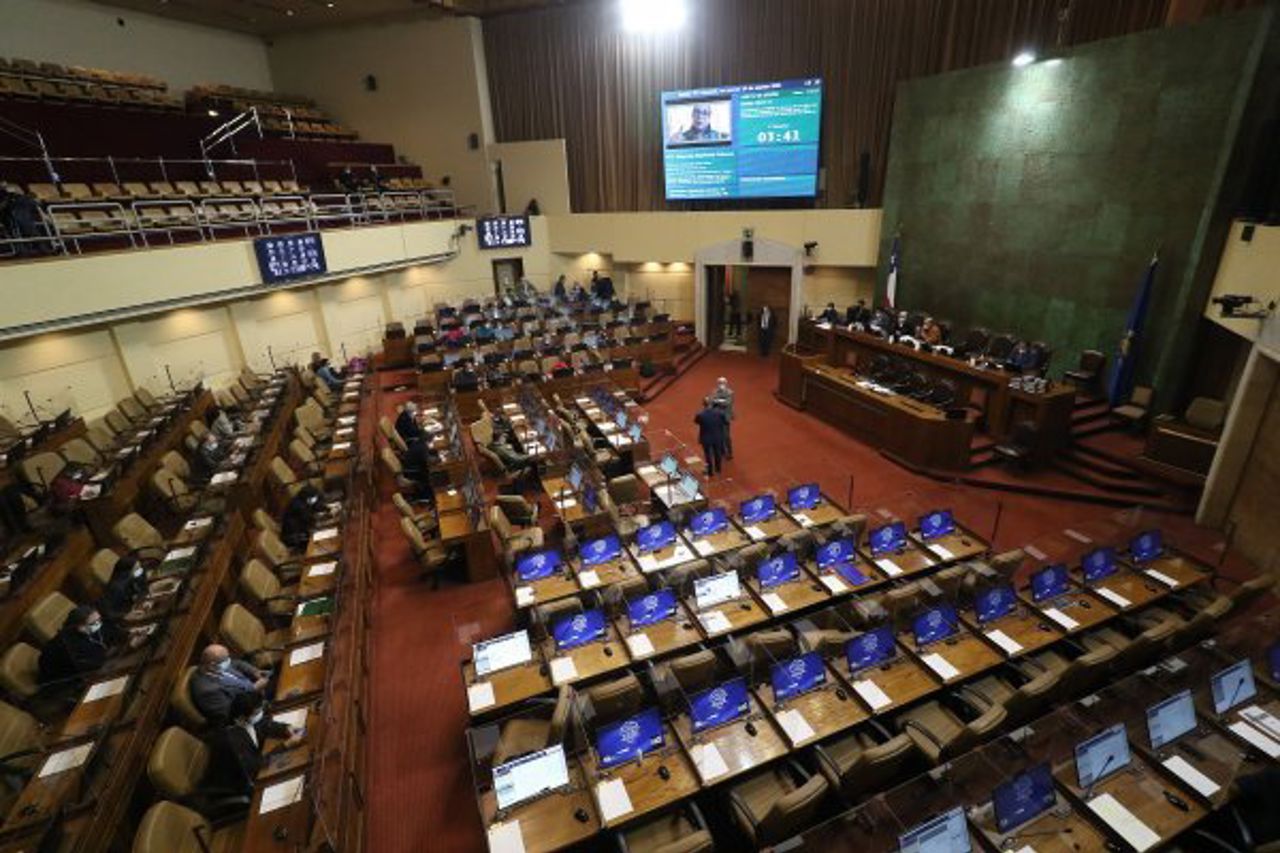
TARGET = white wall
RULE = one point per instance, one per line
(432, 92)
(72, 32)
(1247, 269)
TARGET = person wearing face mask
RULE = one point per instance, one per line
(128, 585)
(208, 459)
(76, 650)
(220, 679)
(407, 422)
(235, 749)
(299, 519)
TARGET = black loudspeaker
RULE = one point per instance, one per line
(370, 83)
(864, 178)
(473, 141)
(748, 250)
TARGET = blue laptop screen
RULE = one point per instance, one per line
(630, 738)
(890, 537)
(870, 649)
(937, 523)
(1146, 546)
(1023, 797)
(575, 478)
(798, 675)
(934, 624)
(991, 604)
(651, 608)
(538, 565)
(1050, 582)
(1273, 661)
(590, 499)
(709, 522)
(804, 497)
(1099, 563)
(759, 508)
(718, 705)
(778, 570)
(601, 550)
(835, 552)
(656, 536)
(579, 629)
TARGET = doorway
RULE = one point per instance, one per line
(774, 276)
(506, 273)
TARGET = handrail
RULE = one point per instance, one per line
(33, 138)
(226, 132)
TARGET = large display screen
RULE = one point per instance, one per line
(758, 140)
(289, 257)
(503, 232)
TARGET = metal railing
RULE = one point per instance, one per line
(227, 131)
(29, 137)
(162, 165)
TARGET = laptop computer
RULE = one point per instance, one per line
(629, 739)
(537, 565)
(758, 509)
(946, 833)
(655, 536)
(1050, 582)
(709, 522)
(718, 705)
(1170, 719)
(668, 465)
(839, 556)
(1232, 685)
(798, 675)
(499, 653)
(716, 589)
(994, 602)
(888, 538)
(1099, 564)
(777, 570)
(1102, 755)
(934, 624)
(1146, 546)
(936, 524)
(579, 629)
(530, 776)
(1273, 661)
(1023, 798)
(804, 497)
(602, 550)
(651, 608)
(873, 648)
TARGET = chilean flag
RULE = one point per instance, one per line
(891, 283)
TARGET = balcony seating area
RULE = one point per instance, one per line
(49, 81)
(280, 114)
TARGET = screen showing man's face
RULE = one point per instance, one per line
(701, 118)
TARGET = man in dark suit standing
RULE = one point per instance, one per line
(235, 748)
(767, 324)
(713, 425)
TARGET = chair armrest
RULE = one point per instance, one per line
(928, 735)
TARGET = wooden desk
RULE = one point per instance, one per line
(959, 545)
(903, 680)
(729, 539)
(772, 528)
(1173, 570)
(284, 828)
(1076, 611)
(301, 679)
(740, 614)
(967, 654)
(1029, 630)
(1061, 829)
(821, 514)
(510, 686)
(792, 595)
(319, 578)
(1128, 591)
(562, 584)
(548, 823)
(607, 574)
(646, 789)
(911, 560)
(838, 585)
(740, 751)
(589, 660)
(675, 554)
(455, 526)
(669, 635)
(1140, 789)
(917, 433)
(827, 710)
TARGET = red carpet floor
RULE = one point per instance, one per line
(420, 783)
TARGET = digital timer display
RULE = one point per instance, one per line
(503, 232)
(758, 140)
(290, 256)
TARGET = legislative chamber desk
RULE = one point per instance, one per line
(986, 389)
(640, 778)
(919, 434)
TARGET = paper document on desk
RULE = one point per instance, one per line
(1180, 767)
(344, 432)
(563, 670)
(613, 799)
(180, 553)
(1114, 597)
(1162, 577)
(756, 533)
(1256, 738)
(640, 645)
(566, 503)
(588, 579)
(480, 696)
(1004, 641)
(341, 446)
(223, 477)
(709, 761)
(714, 622)
(282, 794)
(197, 523)
(942, 552)
(321, 569)
(103, 689)
(940, 665)
(796, 726)
(327, 533)
(346, 420)
(872, 694)
(834, 584)
(524, 596)
(1124, 822)
(774, 602)
(889, 567)
(1077, 535)
(805, 521)
(1061, 618)
(704, 547)
(68, 759)
(1262, 720)
(1035, 553)
(296, 718)
(297, 657)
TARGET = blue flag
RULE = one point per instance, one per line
(1127, 352)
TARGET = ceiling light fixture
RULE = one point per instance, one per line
(653, 16)
(1022, 60)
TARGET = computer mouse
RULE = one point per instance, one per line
(965, 542)
(841, 695)
(951, 641)
(1043, 627)
(1084, 602)
(816, 587)
(281, 833)
(886, 666)
(1151, 587)
(686, 625)
(663, 773)
(751, 728)
(608, 651)
(542, 669)
(580, 814)
(1177, 802)
(745, 605)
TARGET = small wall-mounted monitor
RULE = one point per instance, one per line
(503, 232)
(290, 256)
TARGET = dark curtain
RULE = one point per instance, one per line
(570, 72)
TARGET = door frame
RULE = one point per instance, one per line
(767, 253)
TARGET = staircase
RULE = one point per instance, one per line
(688, 352)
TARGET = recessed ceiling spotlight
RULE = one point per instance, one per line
(1024, 59)
(652, 16)
(213, 113)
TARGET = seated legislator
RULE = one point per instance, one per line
(857, 314)
(299, 518)
(829, 314)
(209, 457)
(77, 649)
(235, 748)
(126, 588)
(324, 371)
(220, 679)
(407, 422)
(930, 332)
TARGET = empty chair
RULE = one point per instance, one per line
(136, 533)
(693, 671)
(940, 734)
(102, 438)
(1021, 702)
(21, 744)
(170, 828)
(44, 619)
(1206, 414)
(133, 410)
(1086, 374)
(20, 671)
(683, 830)
(429, 553)
(247, 637)
(859, 762)
(776, 803)
(514, 538)
(261, 587)
(102, 564)
(1019, 450)
(182, 704)
(177, 463)
(528, 732)
(262, 520)
(41, 469)
(81, 452)
(117, 422)
(177, 766)
(1134, 413)
(424, 520)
